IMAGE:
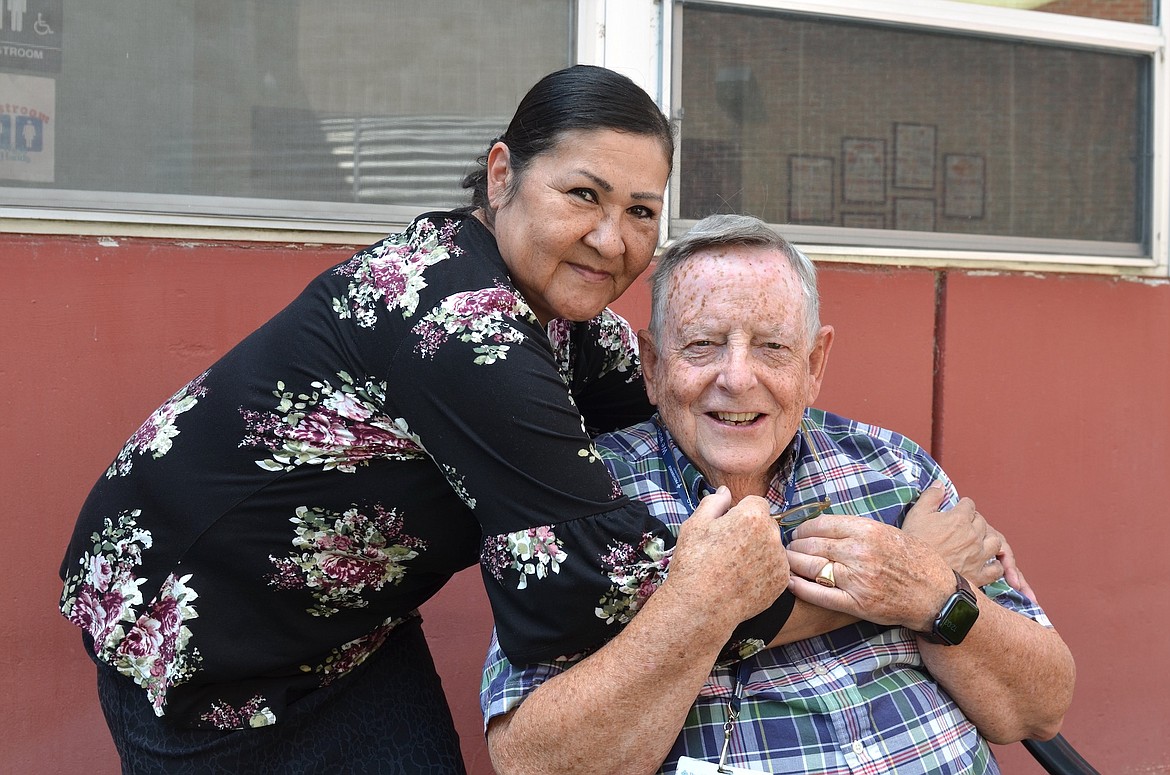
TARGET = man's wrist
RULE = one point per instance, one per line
(956, 617)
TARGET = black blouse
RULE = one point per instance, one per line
(405, 417)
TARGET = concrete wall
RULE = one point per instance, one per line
(1049, 408)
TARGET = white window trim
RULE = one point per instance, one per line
(837, 244)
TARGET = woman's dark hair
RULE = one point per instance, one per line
(581, 97)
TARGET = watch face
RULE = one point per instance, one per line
(957, 619)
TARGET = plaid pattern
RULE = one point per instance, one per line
(857, 700)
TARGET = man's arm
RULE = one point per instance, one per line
(1011, 676)
(621, 709)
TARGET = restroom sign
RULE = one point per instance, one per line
(27, 128)
(30, 35)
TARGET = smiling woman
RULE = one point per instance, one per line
(580, 223)
(330, 473)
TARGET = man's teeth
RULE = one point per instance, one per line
(737, 417)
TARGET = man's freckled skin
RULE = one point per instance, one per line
(736, 343)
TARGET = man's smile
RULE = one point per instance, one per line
(736, 418)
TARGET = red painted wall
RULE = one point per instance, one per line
(1049, 409)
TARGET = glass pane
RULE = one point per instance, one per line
(348, 101)
(806, 121)
(1137, 11)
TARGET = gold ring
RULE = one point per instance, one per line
(825, 577)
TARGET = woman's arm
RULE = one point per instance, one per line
(621, 709)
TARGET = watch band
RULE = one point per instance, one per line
(957, 616)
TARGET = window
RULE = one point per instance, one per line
(257, 109)
(937, 133)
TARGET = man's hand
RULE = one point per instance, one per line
(729, 561)
(965, 540)
(882, 574)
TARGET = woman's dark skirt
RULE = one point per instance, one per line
(387, 716)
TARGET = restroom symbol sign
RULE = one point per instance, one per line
(22, 134)
(30, 35)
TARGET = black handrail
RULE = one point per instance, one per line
(1058, 757)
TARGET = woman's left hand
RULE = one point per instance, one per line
(965, 540)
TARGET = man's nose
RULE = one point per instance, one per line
(606, 236)
(738, 373)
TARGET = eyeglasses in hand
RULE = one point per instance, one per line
(803, 513)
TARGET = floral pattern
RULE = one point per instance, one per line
(104, 592)
(532, 552)
(391, 272)
(142, 584)
(158, 432)
(610, 331)
(333, 427)
(634, 572)
(619, 342)
(103, 597)
(480, 317)
(740, 650)
(455, 479)
(253, 713)
(339, 557)
(154, 652)
(349, 655)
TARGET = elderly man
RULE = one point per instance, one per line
(889, 662)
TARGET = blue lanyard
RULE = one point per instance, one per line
(673, 471)
(733, 705)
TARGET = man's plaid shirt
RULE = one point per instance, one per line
(857, 700)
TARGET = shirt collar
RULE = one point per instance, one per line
(780, 488)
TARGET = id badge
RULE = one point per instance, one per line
(689, 766)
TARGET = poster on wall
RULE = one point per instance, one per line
(810, 189)
(863, 171)
(914, 146)
(27, 110)
(963, 185)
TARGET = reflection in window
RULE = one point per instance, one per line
(342, 102)
(864, 126)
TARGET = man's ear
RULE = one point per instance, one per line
(649, 357)
(499, 173)
(818, 361)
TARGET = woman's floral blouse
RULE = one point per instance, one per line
(268, 526)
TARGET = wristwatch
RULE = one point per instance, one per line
(956, 618)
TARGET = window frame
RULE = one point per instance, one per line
(832, 243)
(49, 211)
(639, 38)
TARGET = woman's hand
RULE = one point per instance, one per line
(965, 540)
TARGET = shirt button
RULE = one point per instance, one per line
(858, 748)
(820, 669)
